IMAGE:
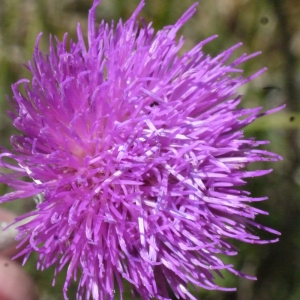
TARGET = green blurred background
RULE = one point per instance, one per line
(272, 26)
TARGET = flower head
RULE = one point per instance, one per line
(136, 155)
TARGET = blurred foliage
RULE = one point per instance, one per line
(270, 26)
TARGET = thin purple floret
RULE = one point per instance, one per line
(136, 157)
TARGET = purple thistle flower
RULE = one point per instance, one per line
(136, 155)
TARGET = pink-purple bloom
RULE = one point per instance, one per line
(136, 155)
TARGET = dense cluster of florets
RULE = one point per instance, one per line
(136, 155)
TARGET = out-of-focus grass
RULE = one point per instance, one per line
(280, 120)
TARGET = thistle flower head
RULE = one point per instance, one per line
(136, 155)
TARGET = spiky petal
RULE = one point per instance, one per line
(136, 155)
